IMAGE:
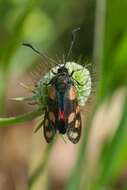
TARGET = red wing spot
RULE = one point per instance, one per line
(61, 115)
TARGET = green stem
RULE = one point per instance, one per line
(20, 119)
(41, 167)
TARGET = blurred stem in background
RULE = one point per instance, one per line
(109, 52)
(115, 157)
(41, 167)
(75, 179)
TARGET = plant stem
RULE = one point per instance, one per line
(41, 167)
(20, 119)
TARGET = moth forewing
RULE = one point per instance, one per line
(51, 112)
(72, 115)
(49, 130)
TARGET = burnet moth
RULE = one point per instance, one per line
(62, 110)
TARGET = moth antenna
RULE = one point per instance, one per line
(39, 53)
(73, 33)
(64, 60)
(58, 59)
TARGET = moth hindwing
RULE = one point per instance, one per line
(62, 112)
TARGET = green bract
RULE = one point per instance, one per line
(81, 75)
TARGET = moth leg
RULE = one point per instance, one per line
(74, 72)
(46, 84)
(51, 82)
(78, 82)
(83, 83)
(71, 75)
(53, 72)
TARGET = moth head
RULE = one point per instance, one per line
(63, 70)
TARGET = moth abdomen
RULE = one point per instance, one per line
(61, 126)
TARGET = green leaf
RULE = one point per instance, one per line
(20, 119)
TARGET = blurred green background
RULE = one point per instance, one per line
(100, 160)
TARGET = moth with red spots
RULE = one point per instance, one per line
(62, 112)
